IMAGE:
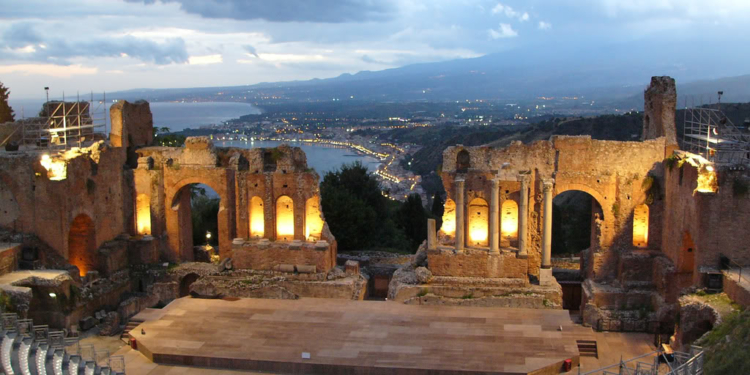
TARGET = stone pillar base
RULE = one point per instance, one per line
(545, 276)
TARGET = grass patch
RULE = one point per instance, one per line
(726, 346)
(468, 296)
(422, 292)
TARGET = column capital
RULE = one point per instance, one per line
(459, 180)
(548, 184)
(523, 178)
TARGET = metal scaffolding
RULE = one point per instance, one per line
(711, 134)
(64, 124)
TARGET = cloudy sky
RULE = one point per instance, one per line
(83, 45)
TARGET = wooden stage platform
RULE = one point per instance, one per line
(357, 337)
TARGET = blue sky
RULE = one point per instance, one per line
(84, 45)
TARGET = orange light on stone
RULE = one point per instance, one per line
(640, 226)
(707, 181)
(284, 219)
(449, 218)
(143, 214)
(257, 218)
(478, 222)
(313, 221)
(509, 220)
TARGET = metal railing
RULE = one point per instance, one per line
(677, 363)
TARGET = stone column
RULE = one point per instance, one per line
(523, 214)
(494, 214)
(547, 228)
(431, 235)
(460, 226)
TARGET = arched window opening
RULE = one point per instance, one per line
(82, 244)
(143, 214)
(640, 226)
(313, 220)
(463, 161)
(257, 218)
(509, 223)
(449, 218)
(284, 218)
(478, 222)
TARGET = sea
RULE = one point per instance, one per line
(184, 115)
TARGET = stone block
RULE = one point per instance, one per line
(87, 323)
(285, 268)
(303, 268)
(295, 245)
(238, 241)
(321, 245)
(351, 267)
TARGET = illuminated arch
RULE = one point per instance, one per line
(313, 221)
(284, 218)
(257, 218)
(509, 221)
(449, 218)
(143, 214)
(640, 226)
(478, 222)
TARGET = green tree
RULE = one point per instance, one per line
(356, 211)
(6, 112)
(412, 219)
(437, 210)
(204, 212)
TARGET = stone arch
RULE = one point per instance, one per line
(9, 210)
(284, 218)
(479, 212)
(313, 219)
(463, 161)
(143, 214)
(179, 218)
(575, 229)
(186, 282)
(640, 225)
(257, 218)
(82, 244)
(449, 218)
(509, 222)
(602, 220)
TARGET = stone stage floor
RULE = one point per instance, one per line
(357, 337)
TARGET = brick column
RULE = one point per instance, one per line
(494, 214)
(523, 214)
(547, 228)
(460, 226)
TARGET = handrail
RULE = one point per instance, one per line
(622, 362)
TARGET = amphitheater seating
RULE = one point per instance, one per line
(26, 349)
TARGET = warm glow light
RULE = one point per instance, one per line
(284, 218)
(449, 218)
(478, 222)
(313, 221)
(640, 226)
(208, 235)
(56, 169)
(707, 181)
(143, 214)
(509, 221)
(257, 218)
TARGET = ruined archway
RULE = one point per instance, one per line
(313, 219)
(257, 218)
(82, 244)
(449, 218)
(186, 282)
(577, 222)
(509, 223)
(479, 223)
(640, 226)
(284, 218)
(9, 211)
(197, 206)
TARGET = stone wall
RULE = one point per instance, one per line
(736, 292)
(266, 255)
(9, 257)
(477, 263)
(701, 226)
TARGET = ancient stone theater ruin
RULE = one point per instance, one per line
(101, 232)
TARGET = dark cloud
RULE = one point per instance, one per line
(21, 35)
(59, 50)
(250, 49)
(325, 11)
